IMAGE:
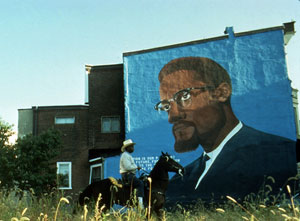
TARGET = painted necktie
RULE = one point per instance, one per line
(200, 169)
(202, 165)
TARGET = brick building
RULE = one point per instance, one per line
(90, 132)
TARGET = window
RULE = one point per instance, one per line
(64, 120)
(95, 172)
(64, 174)
(110, 124)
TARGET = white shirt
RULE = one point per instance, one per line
(127, 163)
(213, 154)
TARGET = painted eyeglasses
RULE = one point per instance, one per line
(182, 98)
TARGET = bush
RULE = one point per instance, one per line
(29, 163)
(7, 155)
(35, 167)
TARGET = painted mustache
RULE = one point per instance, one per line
(181, 125)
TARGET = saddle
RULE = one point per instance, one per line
(120, 183)
(127, 183)
(115, 182)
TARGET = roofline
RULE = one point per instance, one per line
(257, 31)
(109, 66)
(287, 27)
(57, 107)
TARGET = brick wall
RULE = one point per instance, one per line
(74, 138)
(106, 98)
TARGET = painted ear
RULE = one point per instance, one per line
(162, 153)
(222, 92)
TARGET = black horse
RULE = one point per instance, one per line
(115, 192)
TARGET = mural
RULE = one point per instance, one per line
(237, 159)
(229, 98)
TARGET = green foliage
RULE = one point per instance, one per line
(56, 206)
(29, 163)
(35, 167)
(5, 132)
(7, 155)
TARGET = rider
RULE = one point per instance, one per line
(128, 169)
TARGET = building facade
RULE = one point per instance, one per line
(90, 132)
(120, 103)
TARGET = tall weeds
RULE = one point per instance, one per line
(17, 205)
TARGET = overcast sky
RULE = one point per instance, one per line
(45, 44)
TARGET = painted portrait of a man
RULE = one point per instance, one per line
(237, 160)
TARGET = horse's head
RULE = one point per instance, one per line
(170, 164)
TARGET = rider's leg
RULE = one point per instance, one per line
(139, 185)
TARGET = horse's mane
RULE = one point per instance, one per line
(157, 167)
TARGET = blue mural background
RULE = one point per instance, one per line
(261, 95)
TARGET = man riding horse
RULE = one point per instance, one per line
(113, 192)
(128, 169)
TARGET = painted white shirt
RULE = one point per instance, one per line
(127, 163)
(213, 154)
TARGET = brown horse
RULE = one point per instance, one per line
(116, 193)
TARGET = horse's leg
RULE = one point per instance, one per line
(112, 196)
(127, 196)
(158, 212)
(158, 202)
(118, 196)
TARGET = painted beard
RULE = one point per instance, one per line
(185, 145)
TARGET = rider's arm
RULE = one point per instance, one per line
(127, 163)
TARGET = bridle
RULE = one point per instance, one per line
(176, 167)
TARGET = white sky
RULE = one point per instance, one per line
(45, 44)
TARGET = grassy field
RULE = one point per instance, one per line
(56, 206)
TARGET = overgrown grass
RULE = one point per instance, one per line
(57, 206)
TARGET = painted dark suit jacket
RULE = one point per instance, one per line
(241, 168)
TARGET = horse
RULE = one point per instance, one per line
(115, 192)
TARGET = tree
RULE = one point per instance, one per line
(7, 156)
(5, 132)
(29, 163)
(35, 165)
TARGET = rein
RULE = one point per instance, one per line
(160, 178)
(164, 179)
(157, 178)
(145, 171)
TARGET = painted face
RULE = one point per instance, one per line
(200, 119)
